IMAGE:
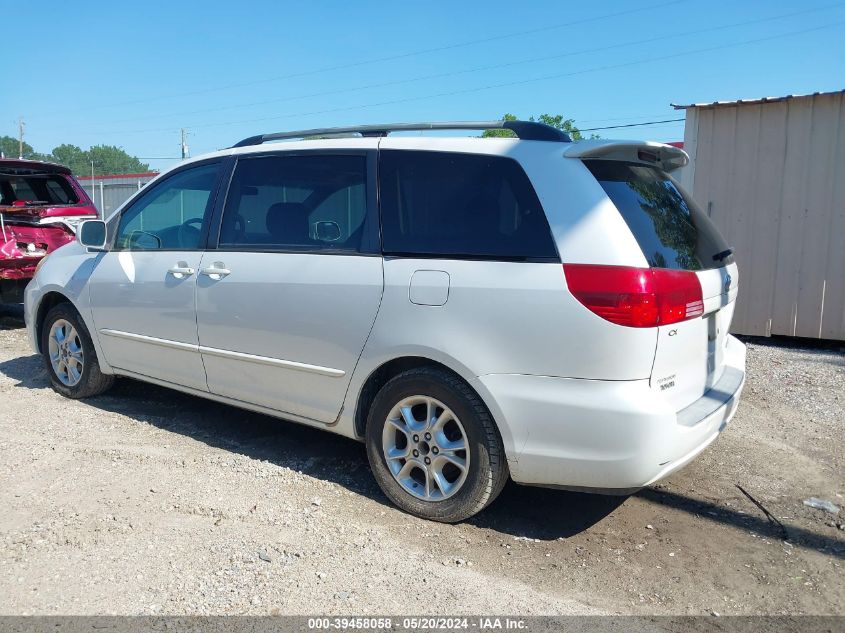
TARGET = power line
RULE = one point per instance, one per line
(614, 127)
(398, 56)
(506, 84)
(483, 68)
(624, 118)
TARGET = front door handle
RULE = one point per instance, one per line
(217, 270)
(181, 270)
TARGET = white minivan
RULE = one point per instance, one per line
(474, 309)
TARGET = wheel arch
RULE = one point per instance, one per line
(52, 296)
(391, 367)
(48, 301)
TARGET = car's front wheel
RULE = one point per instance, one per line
(433, 446)
(69, 355)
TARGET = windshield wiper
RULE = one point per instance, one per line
(718, 257)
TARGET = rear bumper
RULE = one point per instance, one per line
(608, 436)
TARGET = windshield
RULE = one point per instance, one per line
(30, 189)
(669, 227)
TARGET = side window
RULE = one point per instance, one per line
(172, 214)
(296, 202)
(460, 205)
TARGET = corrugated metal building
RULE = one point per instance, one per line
(109, 192)
(771, 174)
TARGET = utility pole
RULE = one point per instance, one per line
(21, 125)
(186, 152)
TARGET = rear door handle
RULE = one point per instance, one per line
(180, 270)
(217, 270)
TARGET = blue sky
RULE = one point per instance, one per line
(133, 74)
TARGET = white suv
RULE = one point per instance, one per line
(474, 309)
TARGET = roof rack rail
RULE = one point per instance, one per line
(526, 130)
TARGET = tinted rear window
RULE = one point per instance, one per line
(461, 205)
(36, 189)
(669, 227)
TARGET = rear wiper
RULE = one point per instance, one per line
(718, 257)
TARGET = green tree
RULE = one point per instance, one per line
(74, 157)
(9, 147)
(555, 120)
(108, 159)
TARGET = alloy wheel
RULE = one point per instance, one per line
(65, 349)
(426, 448)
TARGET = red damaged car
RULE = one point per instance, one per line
(41, 205)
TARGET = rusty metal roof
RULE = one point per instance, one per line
(716, 104)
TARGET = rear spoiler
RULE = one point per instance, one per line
(661, 155)
(10, 167)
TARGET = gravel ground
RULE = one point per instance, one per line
(149, 501)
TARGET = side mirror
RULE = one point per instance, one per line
(92, 234)
(328, 231)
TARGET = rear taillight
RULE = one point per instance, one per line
(636, 297)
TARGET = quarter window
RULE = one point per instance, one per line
(461, 205)
(296, 202)
(171, 215)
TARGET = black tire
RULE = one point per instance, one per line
(92, 381)
(487, 472)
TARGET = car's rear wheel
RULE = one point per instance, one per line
(433, 446)
(69, 354)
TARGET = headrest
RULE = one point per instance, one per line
(288, 222)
